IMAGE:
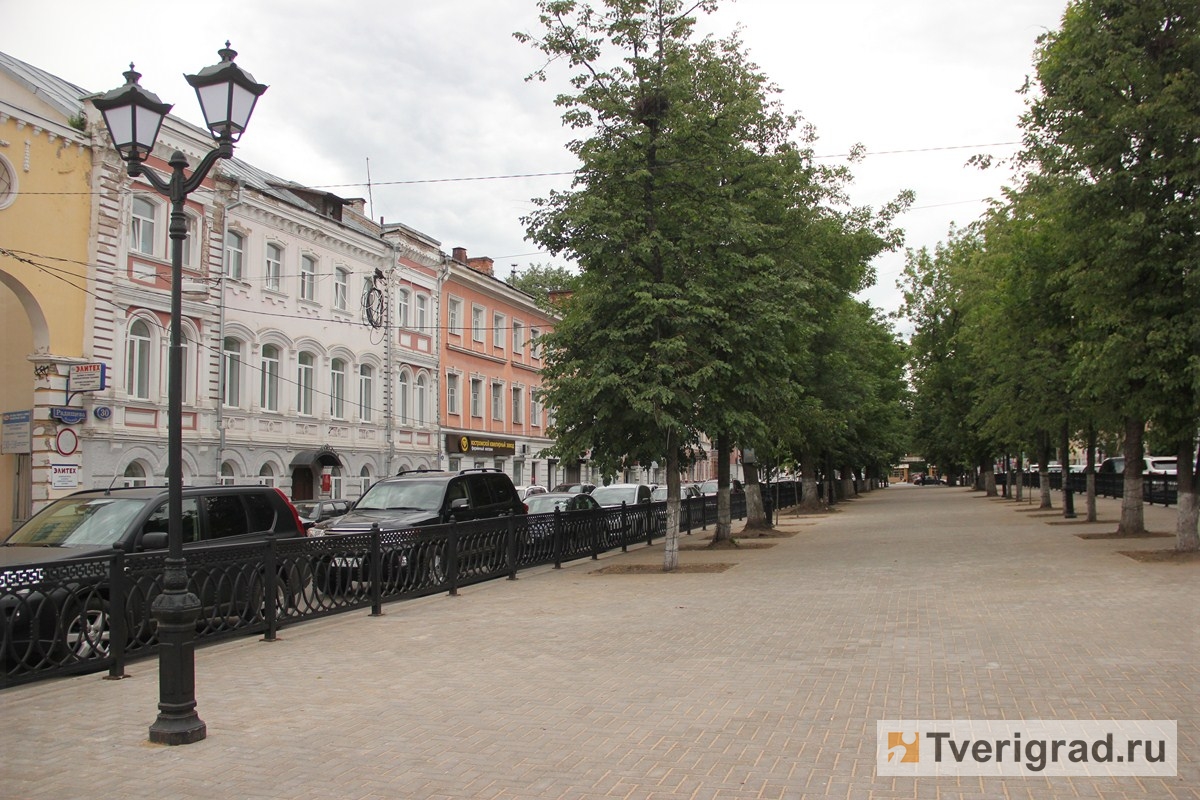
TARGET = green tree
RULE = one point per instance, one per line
(542, 281)
(1115, 117)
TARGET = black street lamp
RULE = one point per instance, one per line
(133, 116)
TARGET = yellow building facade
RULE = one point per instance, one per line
(45, 212)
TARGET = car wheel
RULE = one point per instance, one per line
(435, 565)
(88, 631)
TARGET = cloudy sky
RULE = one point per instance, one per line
(430, 99)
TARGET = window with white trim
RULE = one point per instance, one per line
(476, 397)
(402, 299)
(498, 402)
(477, 323)
(137, 360)
(402, 392)
(518, 337)
(499, 330)
(421, 398)
(308, 278)
(337, 388)
(231, 352)
(366, 392)
(454, 317)
(305, 374)
(235, 253)
(273, 268)
(269, 391)
(451, 393)
(341, 288)
(142, 223)
(518, 405)
(422, 313)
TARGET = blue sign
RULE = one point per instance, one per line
(68, 415)
(102, 412)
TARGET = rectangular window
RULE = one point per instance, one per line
(305, 371)
(518, 405)
(232, 395)
(534, 349)
(477, 323)
(270, 378)
(476, 397)
(518, 337)
(341, 289)
(499, 330)
(141, 226)
(454, 317)
(498, 401)
(402, 308)
(366, 392)
(422, 314)
(451, 393)
(235, 247)
(337, 389)
(308, 278)
(273, 269)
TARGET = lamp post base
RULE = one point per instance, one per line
(176, 612)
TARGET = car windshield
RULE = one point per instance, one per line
(418, 495)
(615, 495)
(74, 522)
(306, 508)
(546, 504)
(1163, 465)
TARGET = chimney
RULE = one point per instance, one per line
(483, 264)
(460, 255)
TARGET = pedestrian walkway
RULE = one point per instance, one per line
(764, 680)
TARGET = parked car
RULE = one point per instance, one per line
(315, 512)
(686, 490)
(1152, 466)
(549, 502)
(74, 618)
(525, 492)
(574, 488)
(414, 499)
(710, 487)
(617, 493)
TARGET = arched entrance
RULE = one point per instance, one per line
(308, 466)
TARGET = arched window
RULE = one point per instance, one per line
(422, 313)
(337, 389)
(364, 480)
(269, 393)
(231, 394)
(266, 475)
(402, 399)
(421, 399)
(137, 360)
(135, 475)
(366, 392)
(228, 476)
(304, 383)
(191, 245)
(141, 226)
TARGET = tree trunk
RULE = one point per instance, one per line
(1133, 520)
(756, 514)
(989, 480)
(1064, 463)
(1187, 537)
(722, 532)
(848, 489)
(1019, 478)
(810, 496)
(671, 545)
(1089, 473)
(1044, 453)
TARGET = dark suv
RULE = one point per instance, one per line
(64, 615)
(416, 499)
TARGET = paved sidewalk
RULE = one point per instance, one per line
(762, 681)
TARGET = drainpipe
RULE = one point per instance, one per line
(388, 400)
(237, 201)
(443, 452)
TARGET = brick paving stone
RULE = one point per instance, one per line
(763, 681)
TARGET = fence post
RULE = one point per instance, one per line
(650, 526)
(452, 559)
(557, 542)
(271, 590)
(376, 572)
(511, 553)
(626, 527)
(118, 630)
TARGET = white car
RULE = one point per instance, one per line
(524, 492)
(1151, 466)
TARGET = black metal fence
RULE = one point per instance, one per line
(1156, 489)
(61, 618)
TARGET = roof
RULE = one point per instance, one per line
(64, 96)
